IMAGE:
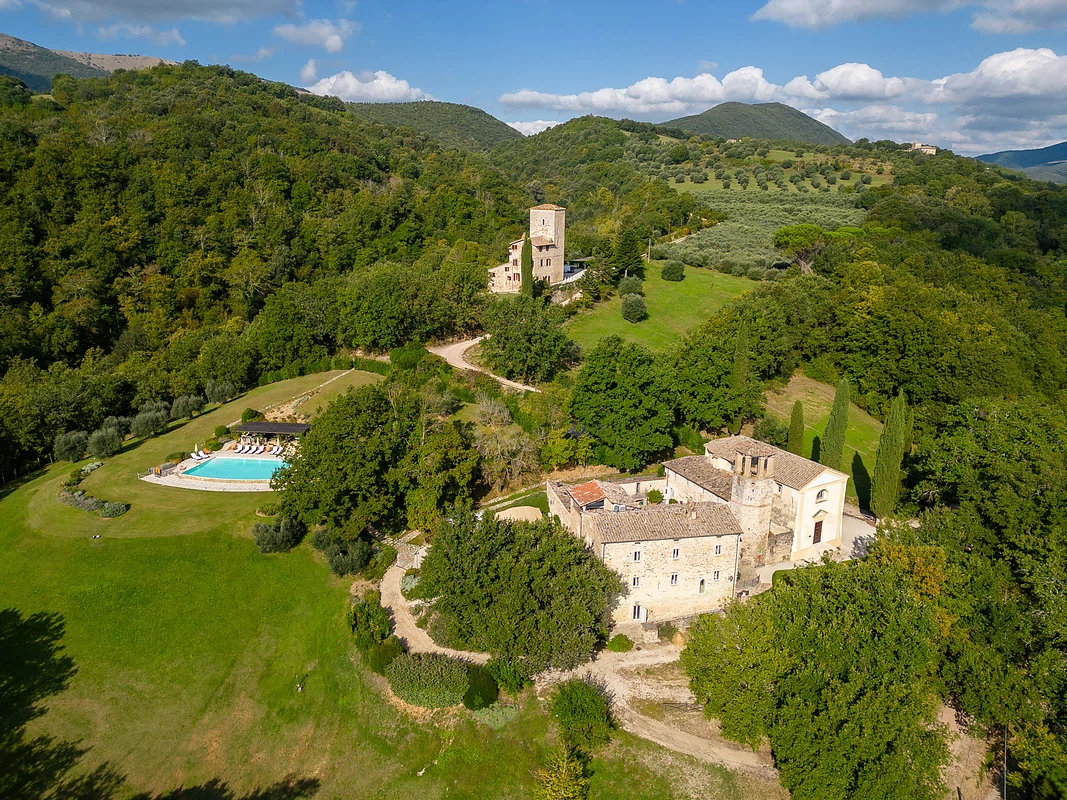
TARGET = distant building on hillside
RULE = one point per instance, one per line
(741, 505)
(925, 149)
(548, 225)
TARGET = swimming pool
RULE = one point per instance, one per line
(237, 469)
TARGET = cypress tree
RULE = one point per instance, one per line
(833, 439)
(526, 263)
(886, 482)
(739, 378)
(796, 429)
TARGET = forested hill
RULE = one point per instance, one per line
(450, 123)
(773, 121)
(35, 66)
(1045, 164)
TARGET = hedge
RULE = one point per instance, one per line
(429, 680)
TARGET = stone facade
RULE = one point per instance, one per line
(548, 231)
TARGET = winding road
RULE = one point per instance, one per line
(454, 355)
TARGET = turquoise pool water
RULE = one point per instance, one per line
(237, 469)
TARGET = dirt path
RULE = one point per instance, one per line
(622, 675)
(454, 355)
(415, 639)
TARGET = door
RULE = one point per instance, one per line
(640, 614)
(818, 533)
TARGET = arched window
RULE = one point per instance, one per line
(701, 589)
(822, 495)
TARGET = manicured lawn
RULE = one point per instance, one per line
(861, 439)
(189, 644)
(351, 380)
(673, 308)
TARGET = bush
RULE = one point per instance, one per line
(497, 716)
(345, 556)
(408, 584)
(212, 445)
(269, 509)
(380, 656)
(631, 285)
(673, 271)
(120, 424)
(755, 273)
(221, 431)
(580, 708)
(111, 510)
(482, 690)
(633, 308)
(655, 496)
(188, 405)
(369, 622)
(429, 680)
(149, 423)
(620, 644)
(666, 632)
(71, 446)
(771, 431)
(176, 457)
(383, 558)
(81, 500)
(278, 536)
(508, 674)
(105, 442)
(563, 777)
(219, 391)
(250, 415)
(409, 356)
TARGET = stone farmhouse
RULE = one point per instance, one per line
(548, 226)
(741, 505)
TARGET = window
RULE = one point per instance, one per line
(822, 495)
(715, 575)
(718, 549)
(701, 589)
(637, 613)
(636, 582)
(674, 554)
(637, 555)
(674, 579)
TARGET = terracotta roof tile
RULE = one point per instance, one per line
(547, 207)
(586, 493)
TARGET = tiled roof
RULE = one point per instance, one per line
(547, 207)
(789, 469)
(616, 494)
(703, 473)
(542, 241)
(586, 493)
(679, 521)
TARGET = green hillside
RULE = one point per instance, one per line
(759, 121)
(36, 66)
(1044, 164)
(450, 123)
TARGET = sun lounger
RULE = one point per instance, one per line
(276, 450)
(260, 449)
(241, 448)
(195, 457)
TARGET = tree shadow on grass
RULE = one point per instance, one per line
(862, 479)
(33, 668)
(816, 448)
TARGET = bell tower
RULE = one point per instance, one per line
(752, 495)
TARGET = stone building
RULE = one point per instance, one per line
(548, 227)
(741, 505)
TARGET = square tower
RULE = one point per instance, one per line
(548, 225)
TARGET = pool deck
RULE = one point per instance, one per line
(179, 480)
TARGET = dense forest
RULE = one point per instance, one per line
(452, 124)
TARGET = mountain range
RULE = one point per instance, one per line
(36, 66)
(1043, 164)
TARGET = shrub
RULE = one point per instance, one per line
(770, 430)
(383, 558)
(409, 356)
(149, 423)
(866, 180)
(673, 271)
(250, 415)
(655, 497)
(105, 442)
(221, 431)
(580, 708)
(633, 308)
(482, 689)
(176, 457)
(755, 273)
(212, 445)
(345, 556)
(70, 446)
(188, 405)
(429, 680)
(666, 632)
(631, 285)
(219, 391)
(508, 674)
(408, 584)
(369, 622)
(563, 777)
(379, 656)
(120, 424)
(846, 175)
(620, 644)
(110, 510)
(279, 535)
(81, 500)
(497, 716)
(269, 509)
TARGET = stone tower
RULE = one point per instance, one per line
(550, 222)
(752, 496)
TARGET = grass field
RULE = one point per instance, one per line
(673, 308)
(861, 438)
(320, 399)
(189, 644)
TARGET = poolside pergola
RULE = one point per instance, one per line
(279, 429)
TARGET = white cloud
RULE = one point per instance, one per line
(262, 54)
(226, 11)
(10, 5)
(530, 128)
(125, 30)
(309, 72)
(324, 33)
(991, 16)
(368, 87)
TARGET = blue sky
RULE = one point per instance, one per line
(973, 75)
